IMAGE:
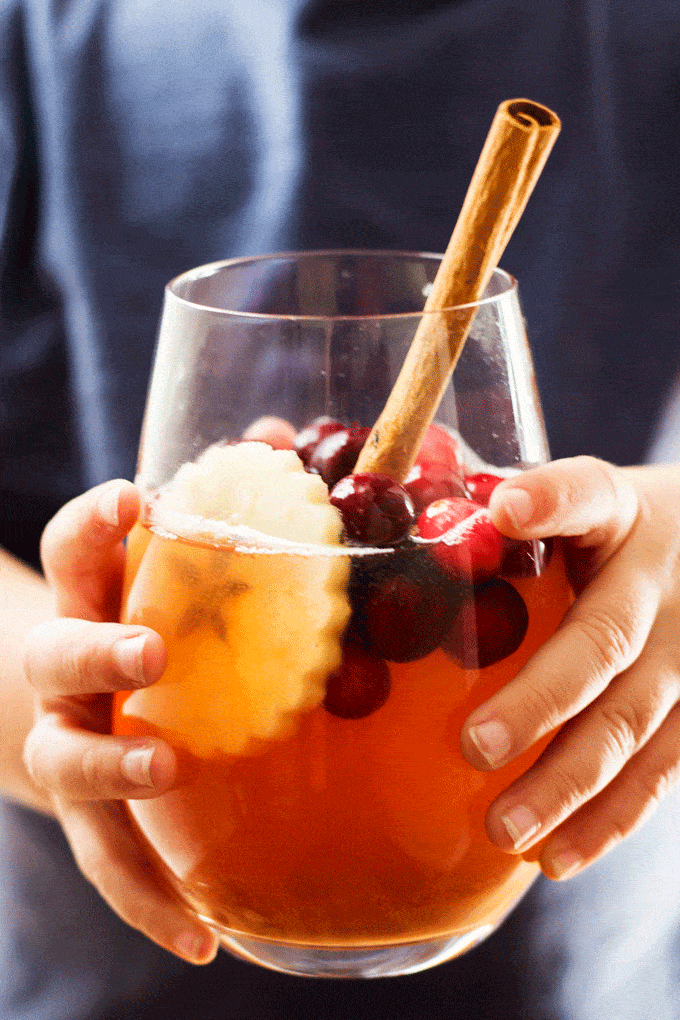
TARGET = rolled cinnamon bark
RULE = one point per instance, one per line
(514, 154)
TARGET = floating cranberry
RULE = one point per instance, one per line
(309, 438)
(489, 626)
(527, 559)
(426, 483)
(471, 545)
(359, 687)
(336, 454)
(402, 602)
(444, 514)
(407, 560)
(276, 432)
(439, 447)
(404, 620)
(480, 487)
(375, 509)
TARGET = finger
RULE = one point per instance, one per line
(82, 550)
(585, 757)
(624, 806)
(602, 635)
(110, 857)
(75, 657)
(77, 764)
(581, 498)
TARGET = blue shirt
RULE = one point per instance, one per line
(140, 139)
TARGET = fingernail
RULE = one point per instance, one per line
(136, 766)
(197, 948)
(565, 864)
(128, 654)
(518, 505)
(493, 741)
(521, 824)
(107, 505)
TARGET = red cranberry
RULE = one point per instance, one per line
(403, 621)
(276, 432)
(527, 559)
(428, 482)
(474, 549)
(309, 438)
(405, 560)
(375, 509)
(481, 486)
(489, 626)
(360, 686)
(439, 447)
(336, 455)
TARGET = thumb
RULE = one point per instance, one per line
(584, 499)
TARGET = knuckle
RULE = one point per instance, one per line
(599, 471)
(49, 540)
(36, 639)
(28, 663)
(600, 468)
(37, 755)
(31, 758)
(655, 786)
(544, 706)
(616, 832)
(582, 470)
(625, 728)
(94, 772)
(64, 655)
(138, 913)
(608, 640)
(568, 788)
(79, 662)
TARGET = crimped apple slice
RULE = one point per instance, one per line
(251, 636)
(251, 485)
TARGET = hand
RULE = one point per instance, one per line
(74, 664)
(609, 679)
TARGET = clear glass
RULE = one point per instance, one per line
(317, 838)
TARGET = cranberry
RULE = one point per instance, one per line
(439, 447)
(402, 602)
(359, 687)
(336, 454)
(474, 549)
(276, 432)
(489, 626)
(527, 559)
(427, 482)
(375, 509)
(406, 560)
(309, 438)
(404, 620)
(481, 486)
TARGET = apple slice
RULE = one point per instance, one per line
(252, 636)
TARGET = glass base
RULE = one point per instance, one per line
(367, 962)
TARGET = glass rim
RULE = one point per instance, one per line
(211, 268)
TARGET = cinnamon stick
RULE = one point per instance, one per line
(514, 154)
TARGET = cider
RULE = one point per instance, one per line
(300, 816)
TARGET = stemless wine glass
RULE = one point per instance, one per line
(324, 821)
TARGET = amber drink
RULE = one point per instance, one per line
(322, 662)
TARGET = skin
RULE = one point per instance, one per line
(608, 682)
(73, 769)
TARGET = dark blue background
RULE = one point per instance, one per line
(140, 138)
